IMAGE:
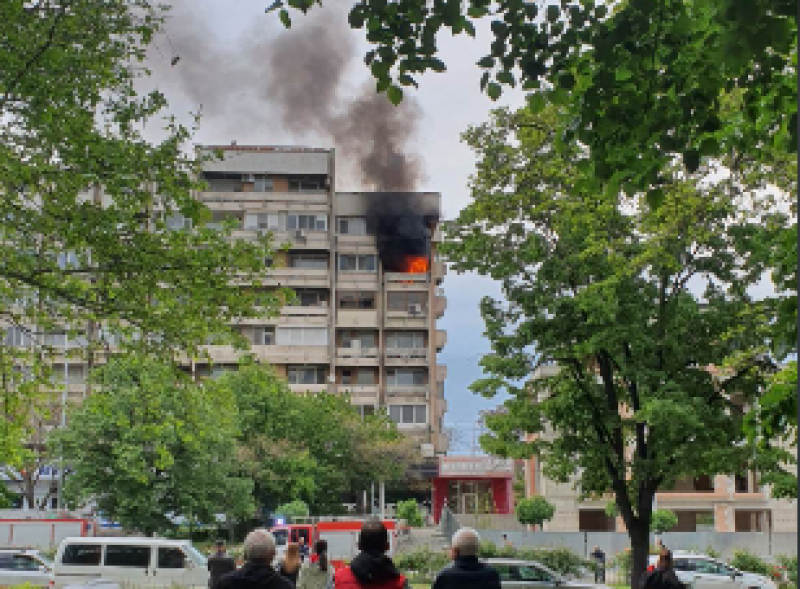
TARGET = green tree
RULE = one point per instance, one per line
(86, 204)
(409, 512)
(296, 508)
(772, 429)
(314, 447)
(663, 520)
(637, 301)
(534, 511)
(644, 79)
(151, 445)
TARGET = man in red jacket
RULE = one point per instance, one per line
(371, 569)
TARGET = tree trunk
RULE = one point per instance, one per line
(639, 534)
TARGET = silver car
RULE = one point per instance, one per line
(20, 566)
(699, 571)
(525, 574)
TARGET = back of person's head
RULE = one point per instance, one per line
(321, 550)
(220, 544)
(292, 561)
(373, 537)
(259, 546)
(664, 560)
(466, 542)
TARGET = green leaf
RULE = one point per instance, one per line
(395, 94)
(486, 62)
(285, 18)
(566, 80)
(494, 90)
(553, 13)
(691, 159)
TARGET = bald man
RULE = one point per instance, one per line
(467, 572)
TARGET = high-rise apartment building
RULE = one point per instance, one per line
(365, 271)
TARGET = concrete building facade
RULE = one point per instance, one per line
(720, 503)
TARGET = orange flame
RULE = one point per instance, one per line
(415, 265)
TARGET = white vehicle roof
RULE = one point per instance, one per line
(520, 561)
(120, 540)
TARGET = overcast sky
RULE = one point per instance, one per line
(224, 50)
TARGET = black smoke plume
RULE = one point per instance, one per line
(297, 76)
(402, 224)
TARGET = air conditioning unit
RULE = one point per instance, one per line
(248, 178)
(300, 235)
(415, 309)
(427, 450)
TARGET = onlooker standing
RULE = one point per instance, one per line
(467, 572)
(316, 574)
(289, 568)
(663, 577)
(219, 564)
(507, 543)
(371, 567)
(257, 572)
(599, 558)
(303, 549)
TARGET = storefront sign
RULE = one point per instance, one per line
(476, 467)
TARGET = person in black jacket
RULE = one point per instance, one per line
(466, 572)
(257, 572)
(663, 577)
(219, 564)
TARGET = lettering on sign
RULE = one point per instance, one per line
(476, 467)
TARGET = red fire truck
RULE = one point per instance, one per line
(340, 533)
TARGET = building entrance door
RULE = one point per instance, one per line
(469, 503)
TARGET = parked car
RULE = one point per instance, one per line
(524, 574)
(700, 571)
(18, 566)
(150, 562)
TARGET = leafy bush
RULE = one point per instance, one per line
(534, 511)
(663, 520)
(421, 566)
(746, 561)
(296, 508)
(561, 560)
(410, 512)
(790, 564)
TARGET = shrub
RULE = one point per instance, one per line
(663, 520)
(421, 566)
(535, 511)
(296, 508)
(790, 564)
(746, 561)
(410, 512)
(488, 549)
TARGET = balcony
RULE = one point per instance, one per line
(357, 356)
(406, 281)
(296, 277)
(358, 390)
(308, 388)
(396, 390)
(406, 356)
(357, 318)
(441, 339)
(439, 304)
(439, 271)
(441, 372)
(306, 316)
(254, 201)
(273, 354)
(407, 319)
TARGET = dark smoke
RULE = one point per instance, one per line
(402, 225)
(299, 75)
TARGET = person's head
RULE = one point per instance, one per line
(321, 550)
(466, 542)
(291, 561)
(302, 541)
(373, 537)
(259, 546)
(664, 560)
(505, 537)
(220, 544)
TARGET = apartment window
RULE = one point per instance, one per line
(177, 222)
(263, 335)
(264, 184)
(359, 376)
(356, 300)
(408, 302)
(365, 410)
(405, 339)
(352, 226)
(302, 336)
(306, 222)
(264, 221)
(306, 184)
(306, 375)
(75, 374)
(61, 339)
(309, 261)
(405, 377)
(408, 414)
(312, 298)
(358, 263)
(364, 339)
(67, 260)
(16, 337)
(219, 370)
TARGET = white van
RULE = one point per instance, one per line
(130, 562)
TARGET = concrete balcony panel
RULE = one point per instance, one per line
(357, 318)
(292, 354)
(358, 390)
(357, 280)
(439, 271)
(302, 316)
(356, 243)
(407, 390)
(441, 372)
(406, 281)
(308, 388)
(297, 277)
(260, 201)
(299, 240)
(439, 305)
(403, 319)
(357, 356)
(441, 339)
(406, 356)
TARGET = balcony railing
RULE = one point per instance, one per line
(393, 389)
(350, 352)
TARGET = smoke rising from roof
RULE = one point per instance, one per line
(296, 78)
(402, 224)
